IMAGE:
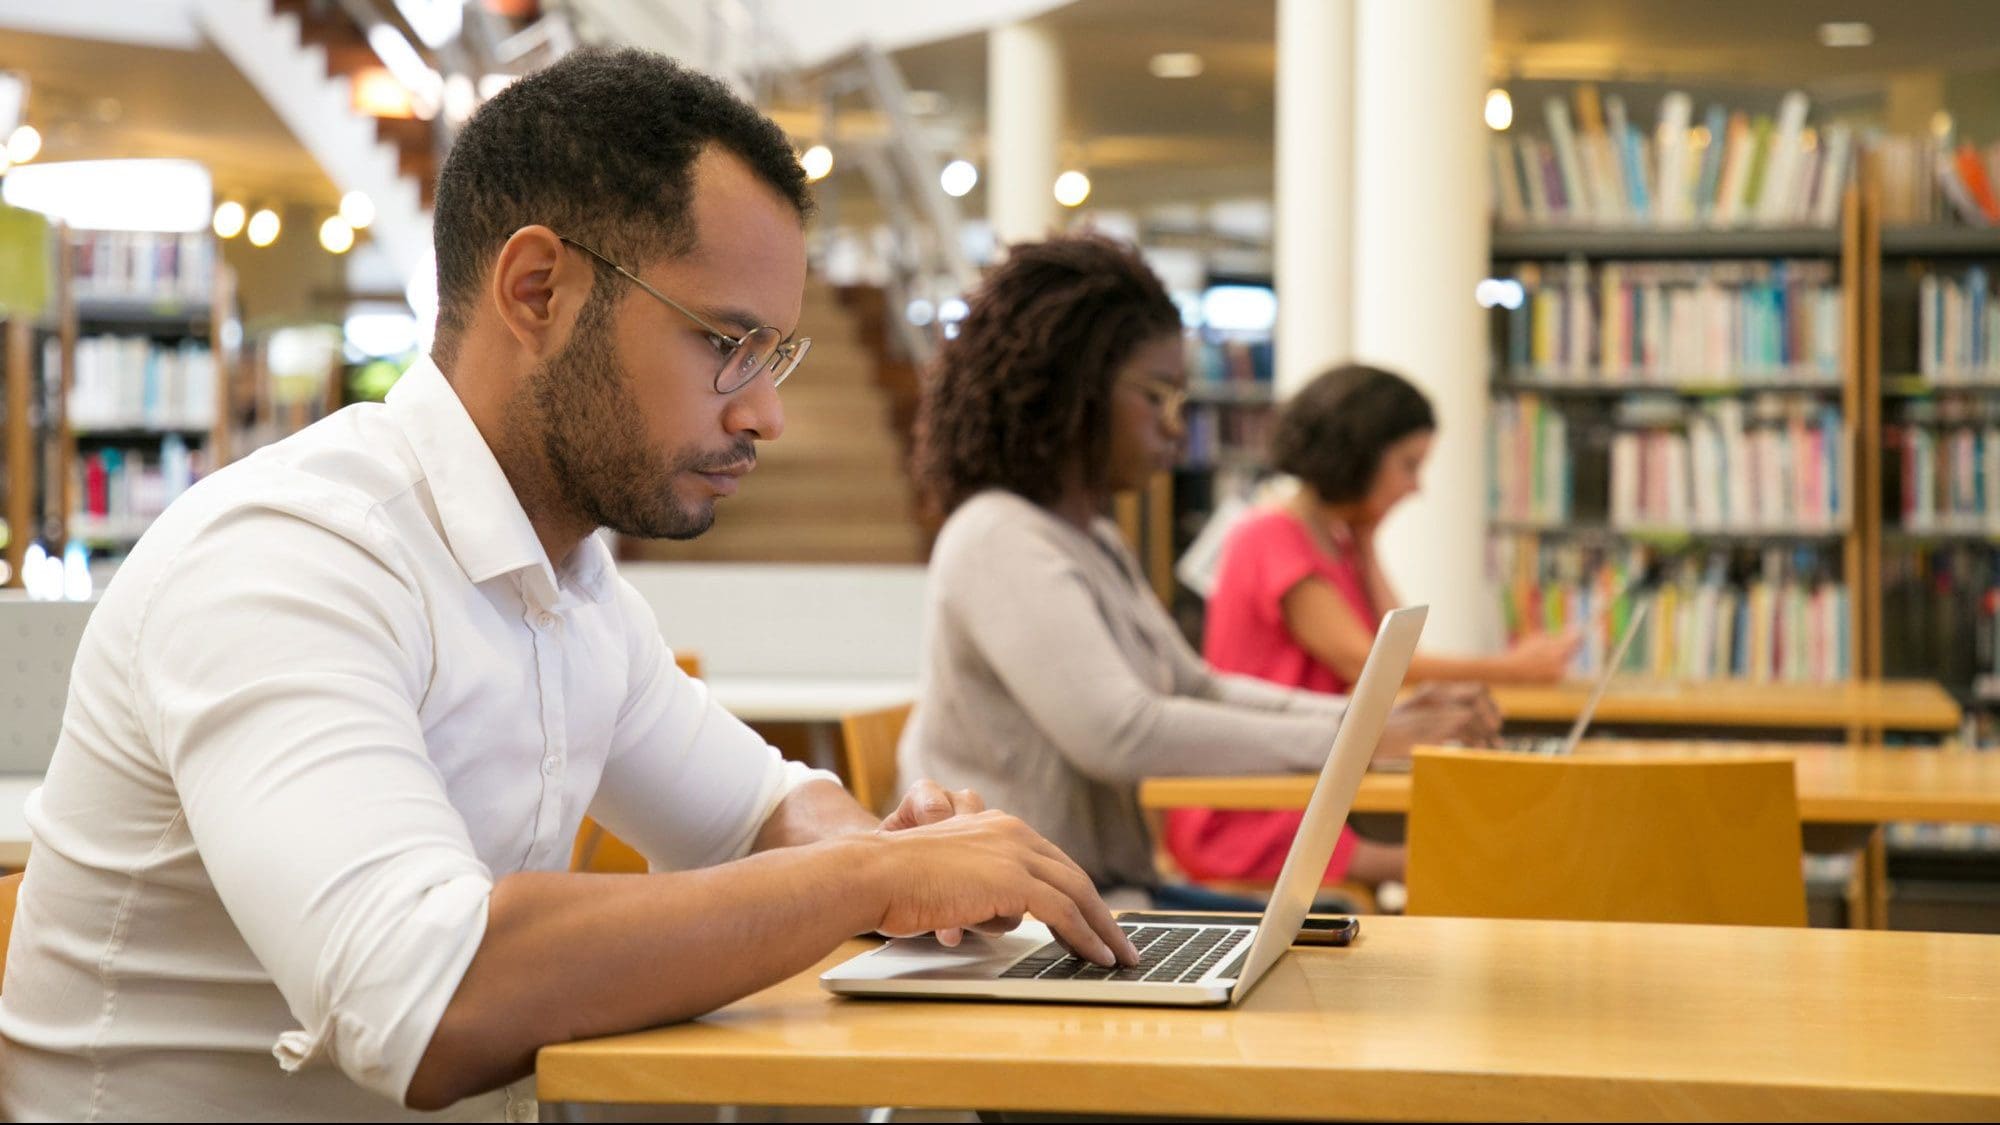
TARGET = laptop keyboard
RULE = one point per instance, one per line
(1548, 745)
(1167, 954)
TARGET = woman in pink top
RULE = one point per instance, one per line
(1300, 592)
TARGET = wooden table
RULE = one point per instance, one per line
(1864, 706)
(1838, 785)
(1446, 1019)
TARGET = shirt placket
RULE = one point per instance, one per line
(547, 624)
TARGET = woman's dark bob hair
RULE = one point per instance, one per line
(1333, 434)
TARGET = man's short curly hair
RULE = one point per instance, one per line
(1023, 393)
(1333, 433)
(600, 146)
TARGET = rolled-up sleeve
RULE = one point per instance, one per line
(687, 783)
(301, 766)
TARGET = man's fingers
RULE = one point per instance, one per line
(1082, 893)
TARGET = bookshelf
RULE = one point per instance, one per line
(1684, 405)
(1936, 360)
(145, 352)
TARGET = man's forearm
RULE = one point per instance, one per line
(569, 957)
(815, 811)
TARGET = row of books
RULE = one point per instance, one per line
(1529, 473)
(1941, 613)
(1731, 170)
(1229, 360)
(143, 265)
(123, 489)
(1958, 326)
(1215, 435)
(1771, 615)
(1936, 178)
(132, 382)
(1733, 466)
(1943, 476)
(1689, 322)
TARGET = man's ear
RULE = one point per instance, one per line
(537, 288)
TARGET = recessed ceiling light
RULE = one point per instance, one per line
(1175, 64)
(1850, 33)
(1072, 188)
(817, 161)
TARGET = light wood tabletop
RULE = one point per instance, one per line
(1837, 784)
(1889, 705)
(1422, 1019)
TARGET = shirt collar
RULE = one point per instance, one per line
(483, 522)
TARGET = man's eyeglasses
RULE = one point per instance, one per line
(742, 356)
(1170, 399)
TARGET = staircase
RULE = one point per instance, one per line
(286, 54)
(834, 487)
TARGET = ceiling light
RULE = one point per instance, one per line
(958, 178)
(817, 162)
(1499, 109)
(1175, 64)
(155, 195)
(24, 145)
(335, 236)
(357, 209)
(1852, 33)
(374, 92)
(228, 220)
(1072, 188)
(264, 227)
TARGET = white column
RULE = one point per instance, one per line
(1024, 111)
(1314, 237)
(1420, 247)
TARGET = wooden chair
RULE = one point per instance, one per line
(868, 743)
(10, 890)
(599, 851)
(1495, 835)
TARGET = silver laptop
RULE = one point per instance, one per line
(1191, 965)
(1568, 743)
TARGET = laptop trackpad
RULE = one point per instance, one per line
(922, 958)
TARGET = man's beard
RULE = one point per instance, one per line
(595, 443)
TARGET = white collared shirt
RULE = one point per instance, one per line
(335, 693)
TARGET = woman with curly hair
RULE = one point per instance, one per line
(1053, 681)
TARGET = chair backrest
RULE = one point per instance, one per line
(10, 890)
(599, 851)
(868, 741)
(1708, 840)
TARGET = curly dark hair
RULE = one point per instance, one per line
(1024, 391)
(599, 146)
(1333, 433)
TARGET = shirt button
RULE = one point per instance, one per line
(550, 763)
(546, 620)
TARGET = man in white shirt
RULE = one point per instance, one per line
(333, 726)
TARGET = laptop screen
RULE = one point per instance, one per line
(1354, 741)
